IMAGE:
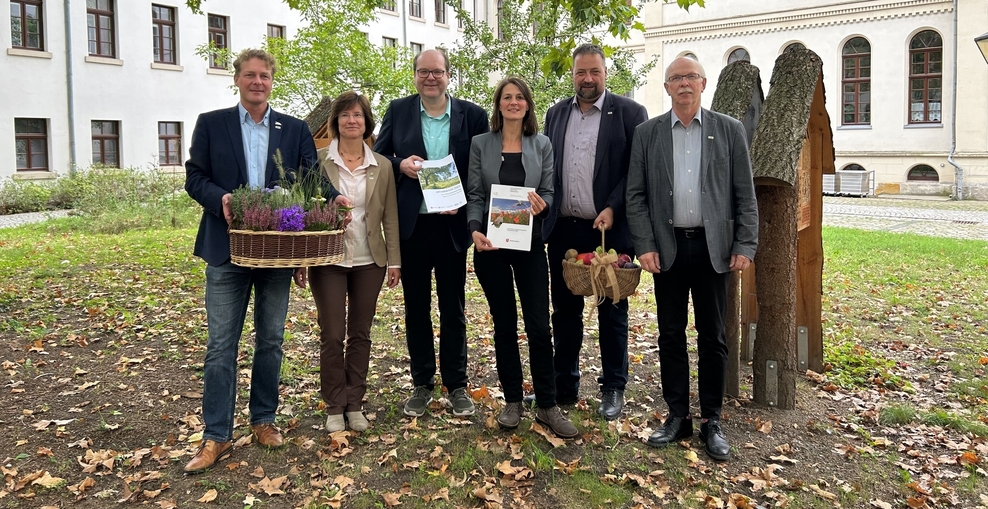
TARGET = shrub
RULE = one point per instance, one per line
(107, 200)
(19, 197)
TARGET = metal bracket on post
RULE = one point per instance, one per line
(802, 348)
(771, 383)
(752, 329)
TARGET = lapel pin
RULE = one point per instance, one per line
(710, 137)
(610, 112)
(277, 125)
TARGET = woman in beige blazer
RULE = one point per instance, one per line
(371, 255)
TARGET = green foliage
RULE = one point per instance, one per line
(330, 55)
(215, 55)
(107, 200)
(535, 40)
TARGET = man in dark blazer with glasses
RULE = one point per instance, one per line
(427, 126)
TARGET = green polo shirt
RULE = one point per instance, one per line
(435, 136)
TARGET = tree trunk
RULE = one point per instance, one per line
(776, 290)
(733, 326)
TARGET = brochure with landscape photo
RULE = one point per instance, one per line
(509, 224)
(441, 186)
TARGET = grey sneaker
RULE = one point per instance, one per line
(419, 402)
(557, 422)
(510, 415)
(462, 402)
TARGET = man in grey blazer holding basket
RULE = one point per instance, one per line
(693, 219)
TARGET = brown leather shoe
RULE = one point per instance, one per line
(210, 451)
(267, 435)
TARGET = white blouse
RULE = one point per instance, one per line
(353, 185)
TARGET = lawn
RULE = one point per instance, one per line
(103, 337)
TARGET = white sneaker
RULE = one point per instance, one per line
(335, 423)
(357, 421)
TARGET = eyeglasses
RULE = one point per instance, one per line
(691, 77)
(424, 73)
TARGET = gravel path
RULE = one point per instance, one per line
(12, 220)
(943, 219)
(931, 217)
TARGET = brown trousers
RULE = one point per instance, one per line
(344, 341)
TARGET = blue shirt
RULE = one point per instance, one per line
(255, 137)
(687, 143)
(435, 136)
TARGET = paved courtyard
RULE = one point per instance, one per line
(922, 216)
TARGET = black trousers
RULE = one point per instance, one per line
(692, 273)
(499, 272)
(430, 248)
(567, 316)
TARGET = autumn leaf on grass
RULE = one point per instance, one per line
(822, 493)
(763, 426)
(691, 456)
(567, 468)
(167, 504)
(552, 439)
(85, 484)
(272, 486)
(48, 481)
(208, 497)
(880, 504)
(391, 499)
(249, 500)
(388, 456)
(916, 502)
(983, 361)
(483, 494)
(711, 502)
(968, 458)
(739, 501)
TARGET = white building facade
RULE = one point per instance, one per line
(119, 81)
(888, 72)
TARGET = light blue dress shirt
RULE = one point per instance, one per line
(435, 136)
(255, 137)
(687, 143)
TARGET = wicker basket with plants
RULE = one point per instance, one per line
(289, 225)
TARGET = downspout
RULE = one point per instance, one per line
(404, 22)
(958, 171)
(70, 89)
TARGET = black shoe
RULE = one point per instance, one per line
(673, 430)
(715, 443)
(529, 400)
(611, 404)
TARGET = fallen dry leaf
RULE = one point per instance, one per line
(391, 499)
(208, 497)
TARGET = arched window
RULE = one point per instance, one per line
(925, 77)
(854, 167)
(690, 55)
(738, 54)
(856, 82)
(923, 172)
(795, 45)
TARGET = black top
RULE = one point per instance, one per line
(512, 174)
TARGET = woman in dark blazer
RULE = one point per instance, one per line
(515, 154)
(346, 293)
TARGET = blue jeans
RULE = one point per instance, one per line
(228, 288)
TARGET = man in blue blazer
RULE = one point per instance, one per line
(427, 126)
(234, 147)
(591, 139)
(693, 219)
